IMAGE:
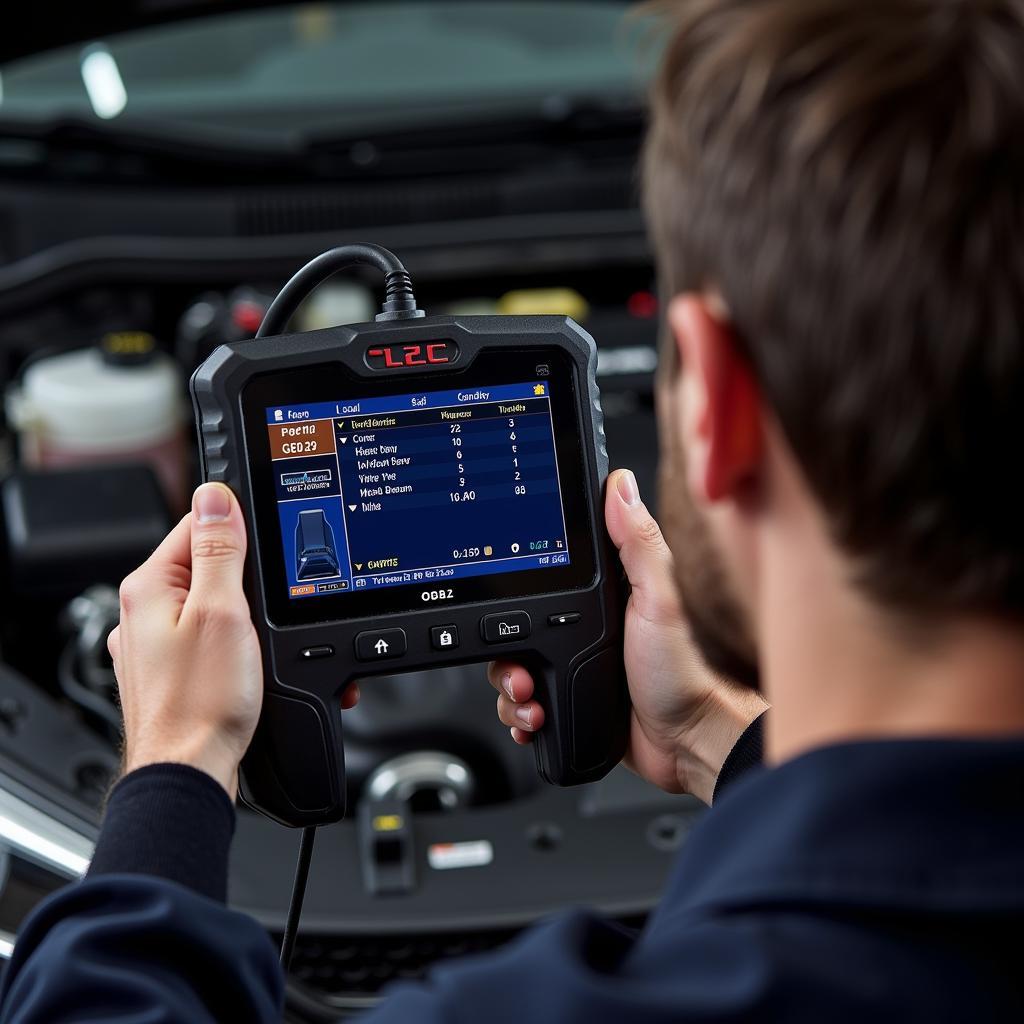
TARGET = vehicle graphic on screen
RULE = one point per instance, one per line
(315, 555)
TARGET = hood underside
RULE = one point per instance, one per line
(40, 27)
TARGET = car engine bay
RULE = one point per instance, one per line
(124, 261)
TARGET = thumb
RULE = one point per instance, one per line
(645, 556)
(218, 547)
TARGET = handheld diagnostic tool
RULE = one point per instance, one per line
(420, 491)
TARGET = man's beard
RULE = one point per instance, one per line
(717, 621)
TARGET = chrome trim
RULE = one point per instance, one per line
(404, 776)
(30, 833)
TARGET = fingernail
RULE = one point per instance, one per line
(212, 503)
(625, 484)
(524, 715)
(506, 684)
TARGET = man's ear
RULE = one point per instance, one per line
(721, 400)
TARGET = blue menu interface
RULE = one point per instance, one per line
(418, 488)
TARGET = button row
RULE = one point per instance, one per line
(499, 628)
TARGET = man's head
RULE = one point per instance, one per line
(835, 190)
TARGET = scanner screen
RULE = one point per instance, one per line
(420, 488)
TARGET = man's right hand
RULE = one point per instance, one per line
(685, 718)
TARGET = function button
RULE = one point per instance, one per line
(322, 651)
(565, 619)
(505, 627)
(376, 644)
(444, 638)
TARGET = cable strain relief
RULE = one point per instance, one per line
(399, 301)
(398, 286)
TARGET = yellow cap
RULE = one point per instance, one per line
(544, 301)
(126, 348)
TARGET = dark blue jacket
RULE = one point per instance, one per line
(867, 883)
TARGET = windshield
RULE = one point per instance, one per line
(340, 67)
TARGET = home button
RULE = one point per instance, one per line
(376, 644)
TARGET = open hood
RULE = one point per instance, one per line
(209, 69)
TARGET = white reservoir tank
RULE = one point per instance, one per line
(121, 401)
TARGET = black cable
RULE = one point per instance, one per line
(399, 304)
(399, 301)
(291, 925)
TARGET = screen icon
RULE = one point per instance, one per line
(488, 550)
(330, 588)
(278, 415)
(538, 389)
(515, 549)
(316, 476)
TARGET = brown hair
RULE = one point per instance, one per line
(849, 175)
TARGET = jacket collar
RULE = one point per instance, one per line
(934, 825)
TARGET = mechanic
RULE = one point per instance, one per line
(835, 190)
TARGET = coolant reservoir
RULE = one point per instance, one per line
(119, 402)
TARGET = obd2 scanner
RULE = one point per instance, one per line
(420, 491)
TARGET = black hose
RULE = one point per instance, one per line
(82, 695)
